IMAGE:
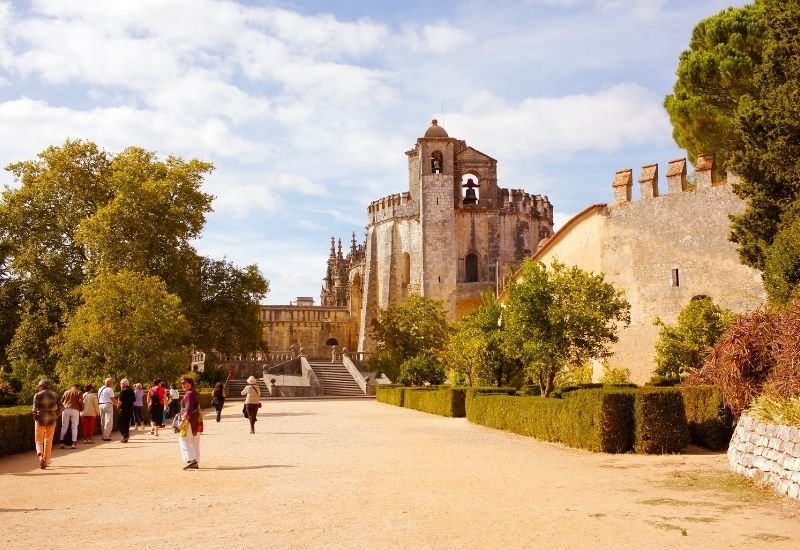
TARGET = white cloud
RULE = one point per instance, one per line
(440, 38)
(30, 126)
(622, 115)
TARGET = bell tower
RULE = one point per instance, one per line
(437, 217)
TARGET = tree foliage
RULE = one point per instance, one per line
(713, 74)
(229, 307)
(560, 317)
(683, 347)
(128, 325)
(420, 370)
(417, 326)
(769, 120)
(79, 213)
(475, 352)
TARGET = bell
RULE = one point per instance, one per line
(470, 197)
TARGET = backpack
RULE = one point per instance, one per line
(155, 397)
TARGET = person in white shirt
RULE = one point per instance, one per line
(106, 398)
(89, 414)
(174, 401)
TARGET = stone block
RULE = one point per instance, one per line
(794, 490)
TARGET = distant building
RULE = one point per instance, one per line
(451, 236)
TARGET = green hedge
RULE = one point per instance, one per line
(441, 401)
(390, 394)
(16, 425)
(597, 420)
(710, 422)
(659, 421)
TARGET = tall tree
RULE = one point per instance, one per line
(129, 325)
(230, 306)
(560, 317)
(769, 121)
(713, 75)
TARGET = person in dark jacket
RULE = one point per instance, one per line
(46, 408)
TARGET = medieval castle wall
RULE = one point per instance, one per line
(663, 250)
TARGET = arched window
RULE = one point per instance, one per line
(406, 268)
(471, 268)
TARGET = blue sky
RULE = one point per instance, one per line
(306, 108)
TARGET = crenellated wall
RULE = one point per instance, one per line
(662, 250)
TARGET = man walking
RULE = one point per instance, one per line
(126, 400)
(106, 398)
(45, 412)
(73, 405)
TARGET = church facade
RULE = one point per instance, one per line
(451, 236)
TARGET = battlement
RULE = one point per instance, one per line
(397, 204)
(517, 200)
(677, 182)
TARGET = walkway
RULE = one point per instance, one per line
(361, 474)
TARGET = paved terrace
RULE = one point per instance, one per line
(361, 474)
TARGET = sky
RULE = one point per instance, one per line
(307, 108)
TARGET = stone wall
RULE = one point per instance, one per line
(662, 250)
(767, 453)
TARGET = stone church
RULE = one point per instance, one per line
(452, 235)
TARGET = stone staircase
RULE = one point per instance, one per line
(336, 380)
(235, 386)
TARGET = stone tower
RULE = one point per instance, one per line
(449, 237)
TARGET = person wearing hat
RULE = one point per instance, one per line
(252, 401)
(46, 409)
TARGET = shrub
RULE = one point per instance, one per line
(421, 369)
(776, 410)
(742, 359)
(615, 377)
(710, 422)
(659, 421)
(682, 347)
(471, 393)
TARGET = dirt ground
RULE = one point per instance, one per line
(361, 474)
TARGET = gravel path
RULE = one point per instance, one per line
(361, 474)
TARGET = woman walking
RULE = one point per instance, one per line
(218, 398)
(155, 404)
(136, 421)
(89, 414)
(252, 401)
(191, 425)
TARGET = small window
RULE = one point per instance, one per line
(471, 268)
(676, 278)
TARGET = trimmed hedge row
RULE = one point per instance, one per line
(16, 425)
(390, 394)
(646, 420)
(435, 400)
(659, 421)
(442, 400)
(591, 419)
(710, 422)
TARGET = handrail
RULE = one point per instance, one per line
(354, 372)
(309, 373)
